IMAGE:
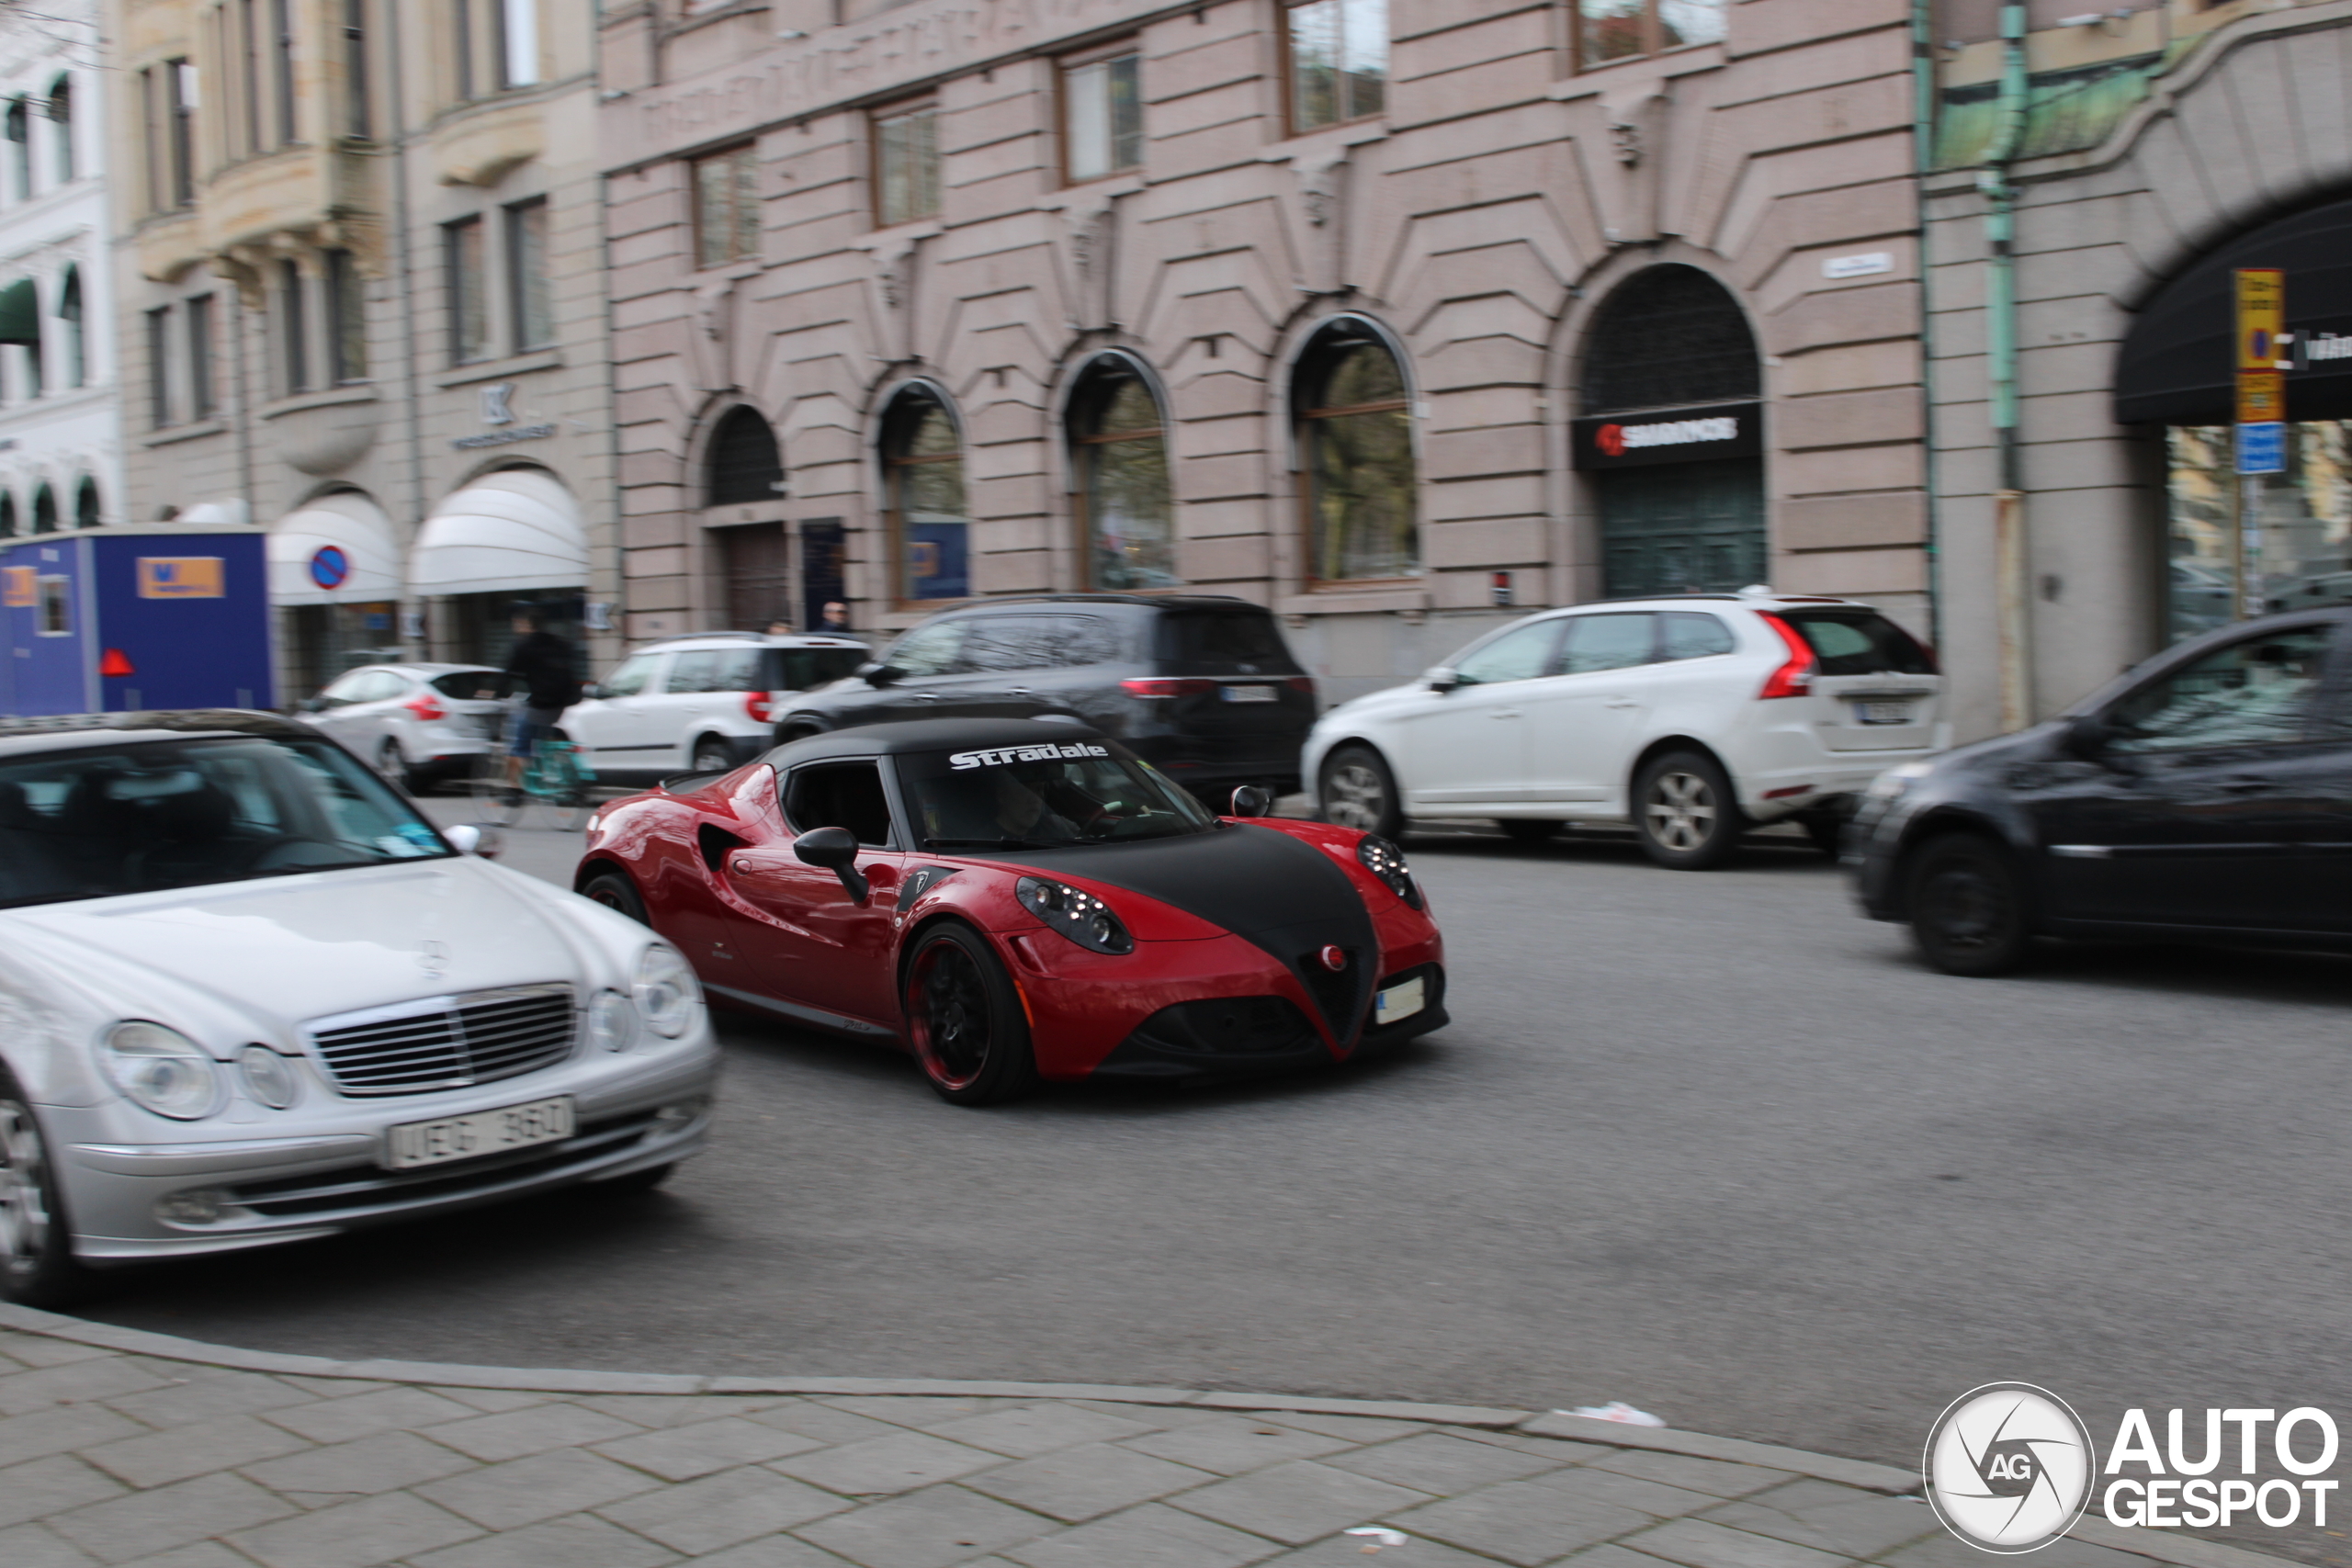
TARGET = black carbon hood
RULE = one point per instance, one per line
(1261, 884)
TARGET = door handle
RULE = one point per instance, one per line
(1620, 703)
(1023, 692)
(926, 696)
(1503, 713)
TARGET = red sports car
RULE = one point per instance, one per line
(1013, 899)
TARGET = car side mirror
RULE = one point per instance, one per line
(1251, 801)
(469, 839)
(595, 690)
(315, 704)
(835, 848)
(1441, 680)
(879, 674)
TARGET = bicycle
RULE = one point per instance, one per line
(555, 774)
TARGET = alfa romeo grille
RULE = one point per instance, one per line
(447, 1041)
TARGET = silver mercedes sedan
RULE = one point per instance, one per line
(249, 995)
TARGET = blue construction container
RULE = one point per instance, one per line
(120, 619)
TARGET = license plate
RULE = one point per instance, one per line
(1249, 693)
(1399, 1001)
(482, 1133)
(1881, 712)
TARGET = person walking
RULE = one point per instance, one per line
(836, 621)
(549, 672)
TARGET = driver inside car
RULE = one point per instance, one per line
(1022, 813)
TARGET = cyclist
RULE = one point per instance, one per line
(549, 670)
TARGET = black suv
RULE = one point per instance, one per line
(1203, 687)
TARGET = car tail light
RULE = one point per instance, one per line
(1302, 683)
(427, 706)
(1163, 687)
(1794, 677)
(759, 706)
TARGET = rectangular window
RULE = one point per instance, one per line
(158, 368)
(1338, 61)
(180, 77)
(200, 370)
(281, 67)
(530, 292)
(468, 291)
(1620, 30)
(905, 165)
(461, 37)
(727, 206)
(518, 43)
(247, 75)
(56, 607)
(20, 149)
(347, 319)
(1102, 116)
(293, 330)
(151, 136)
(357, 120)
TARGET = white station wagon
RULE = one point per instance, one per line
(248, 994)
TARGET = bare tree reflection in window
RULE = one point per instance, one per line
(1119, 456)
(1356, 440)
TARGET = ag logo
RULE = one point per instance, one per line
(2008, 1466)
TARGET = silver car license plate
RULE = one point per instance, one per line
(1399, 1001)
(482, 1133)
(1248, 693)
(1883, 712)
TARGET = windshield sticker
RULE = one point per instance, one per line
(1046, 753)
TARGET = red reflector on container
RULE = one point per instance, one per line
(117, 662)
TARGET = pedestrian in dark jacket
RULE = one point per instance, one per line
(546, 666)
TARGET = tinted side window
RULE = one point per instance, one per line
(1008, 642)
(468, 684)
(840, 794)
(1218, 642)
(1608, 642)
(380, 686)
(1685, 634)
(738, 670)
(1519, 654)
(2254, 692)
(928, 649)
(798, 668)
(696, 672)
(1852, 642)
(630, 678)
(1081, 640)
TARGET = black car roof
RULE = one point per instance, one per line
(927, 735)
(48, 732)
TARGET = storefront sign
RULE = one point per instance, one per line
(181, 577)
(504, 437)
(2261, 386)
(1681, 435)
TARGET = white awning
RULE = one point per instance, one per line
(337, 549)
(514, 530)
(229, 513)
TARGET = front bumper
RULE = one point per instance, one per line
(1234, 1037)
(269, 1190)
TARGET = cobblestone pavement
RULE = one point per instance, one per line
(123, 1448)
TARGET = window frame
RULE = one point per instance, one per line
(1089, 386)
(360, 119)
(530, 284)
(1067, 65)
(60, 114)
(346, 320)
(455, 234)
(742, 162)
(516, 43)
(179, 129)
(1653, 37)
(73, 342)
(285, 104)
(876, 119)
(897, 424)
(18, 120)
(293, 329)
(202, 403)
(159, 367)
(1292, 124)
(1324, 338)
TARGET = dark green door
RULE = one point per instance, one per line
(1682, 527)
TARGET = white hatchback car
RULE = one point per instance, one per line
(1693, 717)
(248, 996)
(703, 703)
(415, 722)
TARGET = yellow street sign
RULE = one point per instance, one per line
(2262, 316)
(2262, 395)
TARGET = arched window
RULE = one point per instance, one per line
(44, 511)
(74, 350)
(85, 504)
(19, 132)
(1119, 479)
(1668, 335)
(744, 467)
(8, 516)
(61, 135)
(1355, 447)
(923, 473)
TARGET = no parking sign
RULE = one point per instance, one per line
(330, 567)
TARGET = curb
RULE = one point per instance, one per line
(2185, 1552)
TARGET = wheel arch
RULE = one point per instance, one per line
(595, 863)
(1952, 821)
(1667, 743)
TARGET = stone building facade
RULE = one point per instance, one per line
(2148, 151)
(359, 251)
(1399, 318)
(61, 452)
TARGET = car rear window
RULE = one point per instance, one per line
(468, 684)
(1858, 642)
(1223, 642)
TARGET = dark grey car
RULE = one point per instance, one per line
(1203, 687)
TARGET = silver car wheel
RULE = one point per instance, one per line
(24, 1192)
(389, 763)
(1356, 797)
(1681, 810)
(712, 757)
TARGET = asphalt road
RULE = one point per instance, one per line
(1709, 1143)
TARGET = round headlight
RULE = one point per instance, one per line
(269, 1077)
(612, 1021)
(161, 1069)
(667, 994)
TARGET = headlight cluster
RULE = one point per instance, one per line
(1081, 917)
(1386, 862)
(161, 1069)
(668, 998)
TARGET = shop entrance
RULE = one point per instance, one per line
(756, 569)
(1671, 436)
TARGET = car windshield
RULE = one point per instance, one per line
(1043, 795)
(147, 815)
